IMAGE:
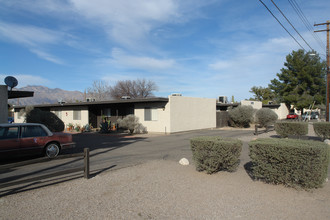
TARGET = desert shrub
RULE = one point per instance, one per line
(49, 119)
(322, 129)
(286, 128)
(130, 122)
(291, 162)
(213, 154)
(241, 116)
(266, 117)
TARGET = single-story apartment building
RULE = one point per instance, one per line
(164, 115)
(175, 113)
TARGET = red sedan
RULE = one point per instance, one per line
(32, 138)
(292, 116)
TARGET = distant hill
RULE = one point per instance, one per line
(45, 95)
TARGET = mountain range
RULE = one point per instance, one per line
(45, 95)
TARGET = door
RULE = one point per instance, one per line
(33, 139)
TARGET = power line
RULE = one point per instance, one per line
(291, 24)
(281, 24)
(307, 24)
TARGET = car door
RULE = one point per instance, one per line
(9, 140)
(33, 139)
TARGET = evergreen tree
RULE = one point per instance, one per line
(301, 81)
(262, 94)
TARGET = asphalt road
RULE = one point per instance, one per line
(111, 151)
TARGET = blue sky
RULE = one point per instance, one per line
(195, 47)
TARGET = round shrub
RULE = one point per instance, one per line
(266, 117)
(241, 116)
(130, 122)
(49, 119)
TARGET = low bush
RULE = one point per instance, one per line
(213, 154)
(286, 128)
(266, 117)
(49, 119)
(290, 162)
(241, 116)
(130, 122)
(322, 129)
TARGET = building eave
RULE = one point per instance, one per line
(120, 101)
(19, 94)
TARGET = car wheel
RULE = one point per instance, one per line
(52, 150)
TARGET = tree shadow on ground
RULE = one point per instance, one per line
(93, 141)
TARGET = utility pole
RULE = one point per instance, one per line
(328, 66)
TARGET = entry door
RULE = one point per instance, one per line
(33, 139)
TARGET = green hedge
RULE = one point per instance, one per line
(322, 129)
(286, 128)
(213, 154)
(290, 161)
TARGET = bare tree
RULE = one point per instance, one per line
(99, 91)
(139, 88)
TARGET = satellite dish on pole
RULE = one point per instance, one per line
(11, 82)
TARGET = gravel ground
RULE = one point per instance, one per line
(167, 190)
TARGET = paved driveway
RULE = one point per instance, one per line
(110, 151)
(123, 151)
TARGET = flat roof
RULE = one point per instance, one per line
(19, 94)
(117, 101)
(227, 104)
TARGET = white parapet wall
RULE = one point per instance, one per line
(188, 113)
(255, 104)
(282, 111)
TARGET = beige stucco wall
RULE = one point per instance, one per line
(67, 115)
(180, 114)
(19, 117)
(187, 113)
(255, 104)
(282, 111)
(162, 124)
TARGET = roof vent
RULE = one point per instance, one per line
(90, 100)
(176, 94)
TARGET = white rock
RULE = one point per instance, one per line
(184, 162)
(327, 141)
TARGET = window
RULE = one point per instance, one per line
(8, 132)
(106, 112)
(150, 114)
(76, 115)
(33, 131)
